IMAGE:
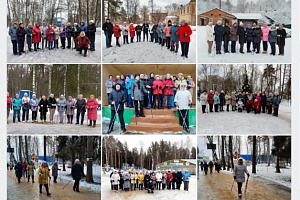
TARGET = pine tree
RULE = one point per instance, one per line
(246, 86)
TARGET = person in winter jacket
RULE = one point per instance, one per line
(115, 178)
(210, 37)
(203, 101)
(36, 36)
(182, 100)
(137, 94)
(128, 87)
(9, 106)
(133, 180)
(50, 37)
(69, 32)
(126, 182)
(80, 106)
(276, 102)
(269, 103)
(179, 180)
(184, 32)
(138, 30)
(241, 33)
(168, 34)
(151, 187)
(148, 87)
(44, 35)
(226, 37)
(222, 98)
(116, 101)
(233, 101)
(56, 35)
(83, 43)
(240, 105)
(43, 108)
(121, 182)
(145, 28)
(249, 105)
(125, 32)
(281, 35)
(227, 101)
(249, 37)
(141, 180)
(159, 33)
(76, 174)
(168, 86)
(62, 34)
(190, 84)
(258, 98)
(263, 102)
(44, 174)
(25, 169)
(34, 104)
(164, 179)
(239, 172)
(219, 33)
(19, 171)
(61, 105)
(157, 87)
(174, 180)
(52, 106)
(14, 37)
(154, 30)
(75, 34)
(110, 84)
(233, 37)
(158, 177)
(210, 98)
(163, 34)
(131, 32)
(169, 180)
(17, 105)
(151, 31)
(91, 106)
(216, 101)
(273, 39)
(257, 34)
(55, 170)
(29, 36)
(25, 107)
(117, 33)
(146, 180)
(153, 179)
(21, 32)
(31, 169)
(91, 34)
(174, 37)
(83, 27)
(180, 80)
(186, 180)
(70, 107)
(265, 37)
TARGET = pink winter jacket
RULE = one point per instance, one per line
(167, 31)
(265, 32)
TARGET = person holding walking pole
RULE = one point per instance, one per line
(43, 177)
(239, 174)
(80, 106)
(43, 108)
(116, 100)
(184, 32)
(61, 105)
(76, 174)
(108, 30)
(137, 94)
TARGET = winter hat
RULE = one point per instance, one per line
(254, 24)
(211, 91)
(20, 23)
(92, 96)
(240, 158)
(137, 74)
(241, 23)
(77, 160)
(146, 75)
(156, 75)
(34, 95)
(54, 24)
(75, 23)
(16, 23)
(169, 21)
(184, 21)
(70, 97)
(204, 91)
(175, 22)
(142, 75)
(44, 162)
(180, 74)
(107, 19)
(92, 21)
(168, 74)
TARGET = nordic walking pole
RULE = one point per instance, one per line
(87, 116)
(134, 111)
(184, 47)
(246, 185)
(67, 184)
(106, 33)
(232, 185)
(150, 104)
(183, 118)
(116, 110)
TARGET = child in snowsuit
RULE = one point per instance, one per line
(240, 105)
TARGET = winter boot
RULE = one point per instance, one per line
(14, 120)
(68, 121)
(40, 188)
(71, 121)
(90, 123)
(94, 125)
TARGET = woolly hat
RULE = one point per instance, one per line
(107, 19)
(44, 162)
(92, 96)
(137, 74)
(77, 160)
(175, 22)
(184, 21)
(157, 75)
(169, 21)
(168, 74)
(92, 21)
(180, 74)
(16, 23)
(54, 24)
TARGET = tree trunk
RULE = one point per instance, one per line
(45, 148)
(230, 150)
(89, 163)
(26, 149)
(223, 155)
(254, 156)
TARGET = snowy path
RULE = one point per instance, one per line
(26, 190)
(244, 123)
(107, 193)
(146, 52)
(240, 58)
(218, 186)
(56, 56)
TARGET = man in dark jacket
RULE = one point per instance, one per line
(76, 174)
(219, 33)
(108, 31)
(281, 35)
(205, 166)
(148, 86)
(76, 33)
(145, 29)
(43, 108)
(138, 92)
(91, 30)
(257, 34)
(116, 101)
(138, 30)
(21, 32)
(241, 33)
(179, 179)
(226, 37)
(249, 37)
(69, 31)
(147, 179)
(19, 171)
(13, 37)
(211, 165)
(80, 106)
(174, 180)
(222, 98)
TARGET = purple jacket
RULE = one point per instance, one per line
(62, 31)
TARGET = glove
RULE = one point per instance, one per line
(234, 177)
(171, 86)
(248, 175)
(156, 86)
(160, 87)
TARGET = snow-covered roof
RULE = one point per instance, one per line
(193, 161)
(172, 17)
(248, 15)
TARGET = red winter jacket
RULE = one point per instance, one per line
(168, 85)
(50, 35)
(258, 99)
(83, 42)
(249, 104)
(257, 106)
(9, 102)
(117, 31)
(157, 90)
(210, 98)
(92, 106)
(132, 31)
(36, 33)
(186, 29)
(169, 177)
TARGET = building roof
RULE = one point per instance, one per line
(255, 16)
(175, 17)
(217, 9)
(191, 161)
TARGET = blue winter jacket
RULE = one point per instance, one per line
(174, 37)
(61, 104)
(163, 35)
(128, 85)
(28, 35)
(17, 103)
(13, 33)
(219, 32)
(83, 27)
(19, 170)
(186, 176)
(249, 34)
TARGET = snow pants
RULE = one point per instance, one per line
(185, 48)
(184, 118)
(15, 46)
(174, 46)
(186, 185)
(167, 99)
(52, 111)
(16, 114)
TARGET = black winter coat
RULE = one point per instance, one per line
(108, 27)
(118, 96)
(174, 177)
(69, 30)
(52, 101)
(179, 177)
(91, 30)
(76, 172)
(249, 36)
(80, 105)
(147, 177)
(226, 33)
(145, 27)
(151, 186)
(263, 100)
(241, 33)
(257, 34)
(21, 32)
(45, 105)
(282, 37)
(138, 28)
(76, 31)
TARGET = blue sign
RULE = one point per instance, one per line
(172, 163)
(165, 163)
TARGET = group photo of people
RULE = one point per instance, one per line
(132, 174)
(56, 33)
(241, 94)
(51, 95)
(154, 32)
(150, 96)
(244, 31)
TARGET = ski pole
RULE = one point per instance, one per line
(116, 111)
(232, 185)
(87, 116)
(183, 118)
(246, 185)
(106, 33)
(184, 47)
(67, 184)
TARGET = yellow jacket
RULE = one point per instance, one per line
(43, 179)
(141, 178)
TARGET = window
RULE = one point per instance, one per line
(211, 20)
(188, 10)
(220, 19)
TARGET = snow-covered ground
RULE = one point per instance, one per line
(203, 57)
(56, 128)
(107, 193)
(244, 123)
(56, 56)
(146, 52)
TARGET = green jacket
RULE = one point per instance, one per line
(17, 103)
(269, 101)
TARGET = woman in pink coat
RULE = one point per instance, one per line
(168, 34)
(91, 106)
(265, 38)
